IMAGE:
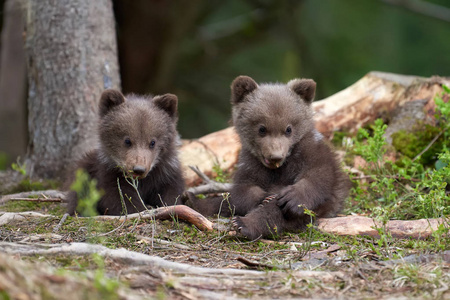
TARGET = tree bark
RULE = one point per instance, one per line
(72, 57)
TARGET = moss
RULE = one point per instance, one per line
(44, 207)
(27, 185)
(410, 144)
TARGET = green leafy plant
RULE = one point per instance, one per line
(221, 176)
(19, 167)
(405, 188)
(88, 195)
(107, 287)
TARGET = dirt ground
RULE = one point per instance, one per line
(211, 265)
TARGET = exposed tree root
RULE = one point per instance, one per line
(135, 259)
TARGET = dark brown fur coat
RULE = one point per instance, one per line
(284, 165)
(137, 139)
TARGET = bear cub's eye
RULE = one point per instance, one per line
(262, 130)
(127, 142)
(152, 144)
(288, 130)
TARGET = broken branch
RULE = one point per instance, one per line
(181, 212)
(42, 196)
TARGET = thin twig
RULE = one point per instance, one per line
(163, 242)
(114, 230)
(42, 194)
(200, 174)
(63, 219)
(387, 176)
(429, 145)
(37, 199)
(210, 186)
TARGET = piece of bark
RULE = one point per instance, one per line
(375, 95)
(359, 225)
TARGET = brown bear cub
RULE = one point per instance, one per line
(284, 165)
(138, 139)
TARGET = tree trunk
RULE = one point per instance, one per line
(12, 84)
(72, 57)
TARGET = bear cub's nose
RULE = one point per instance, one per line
(139, 170)
(275, 159)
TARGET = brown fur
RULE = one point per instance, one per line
(137, 136)
(282, 156)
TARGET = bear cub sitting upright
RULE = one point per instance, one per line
(138, 139)
(284, 165)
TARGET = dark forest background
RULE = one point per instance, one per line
(195, 48)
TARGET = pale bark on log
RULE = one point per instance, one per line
(72, 57)
(359, 225)
(220, 148)
(375, 95)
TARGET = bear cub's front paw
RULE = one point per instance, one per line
(246, 228)
(289, 203)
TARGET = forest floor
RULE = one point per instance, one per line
(171, 259)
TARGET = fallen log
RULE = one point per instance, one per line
(220, 148)
(359, 225)
(375, 95)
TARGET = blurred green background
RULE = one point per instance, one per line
(204, 45)
(195, 48)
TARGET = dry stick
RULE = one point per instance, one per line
(387, 176)
(163, 242)
(183, 212)
(37, 199)
(47, 193)
(63, 219)
(429, 145)
(210, 186)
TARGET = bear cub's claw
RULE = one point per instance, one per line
(244, 228)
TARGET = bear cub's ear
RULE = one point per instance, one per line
(110, 98)
(240, 87)
(168, 103)
(305, 88)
